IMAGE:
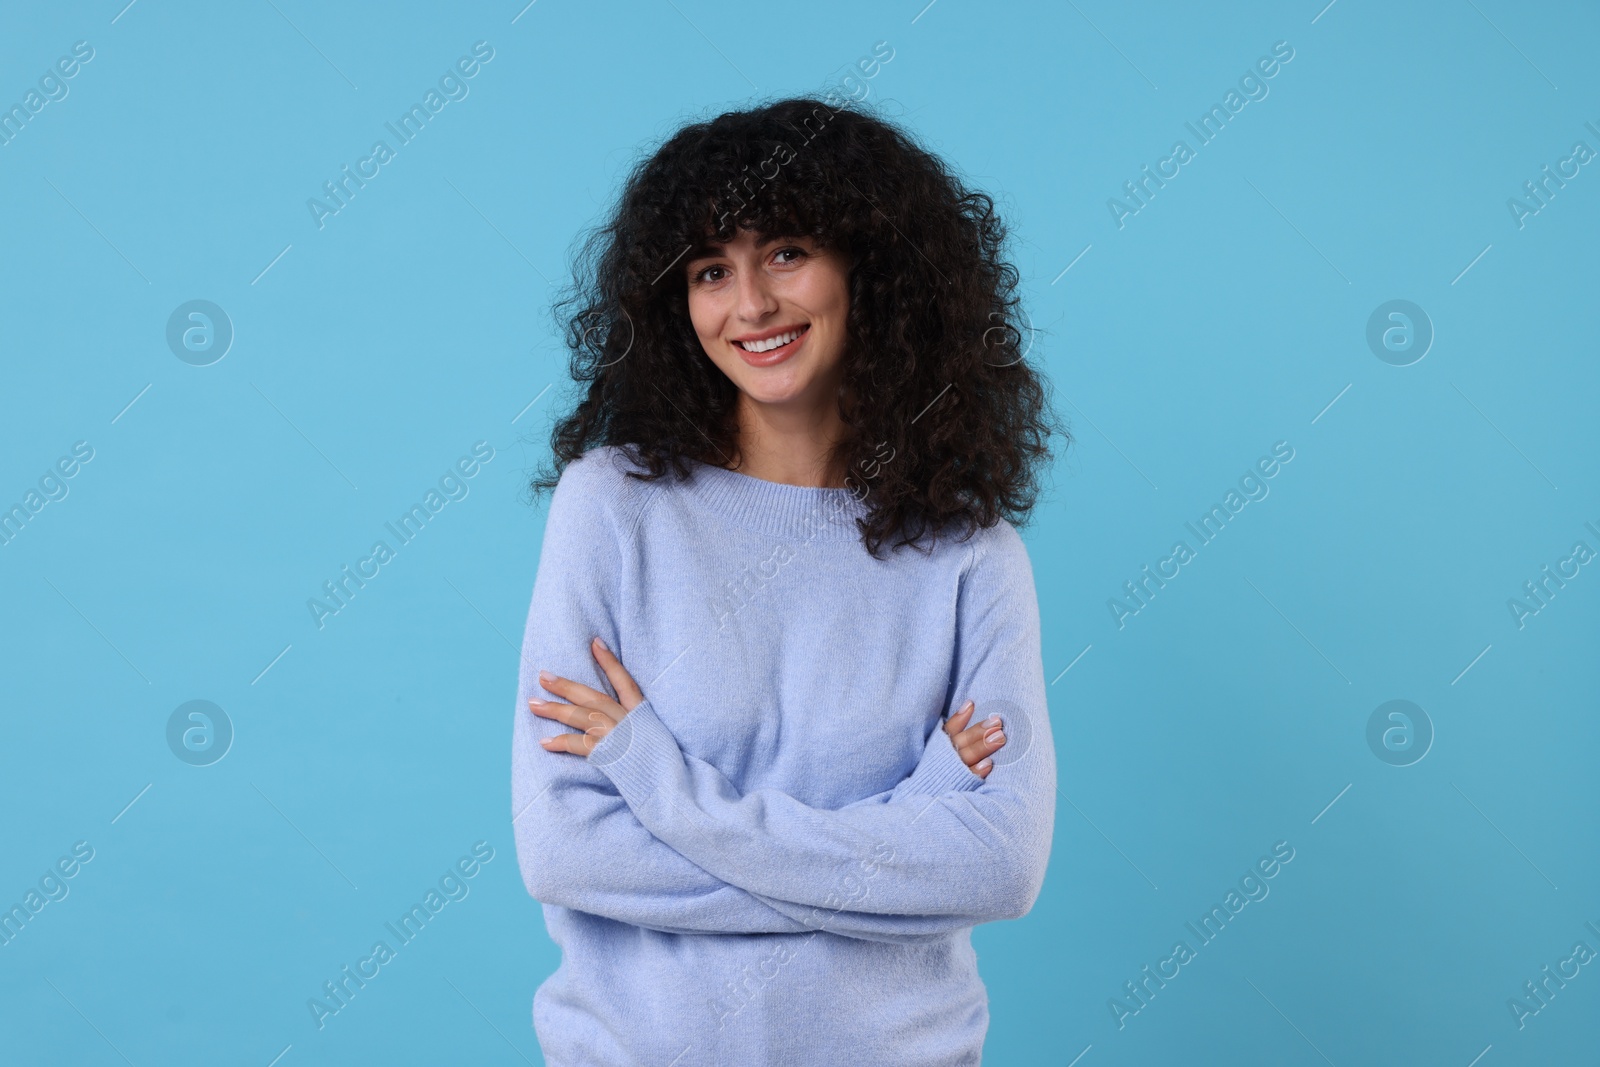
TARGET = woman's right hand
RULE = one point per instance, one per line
(975, 744)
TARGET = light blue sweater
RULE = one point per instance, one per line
(777, 857)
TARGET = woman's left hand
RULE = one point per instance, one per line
(591, 711)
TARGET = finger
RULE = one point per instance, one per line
(572, 743)
(983, 767)
(629, 694)
(958, 721)
(594, 727)
(984, 728)
(980, 734)
(581, 694)
(970, 736)
(597, 726)
(570, 714)
(974, 751)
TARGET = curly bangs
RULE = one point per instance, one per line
(948, 422)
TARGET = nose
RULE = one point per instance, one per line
(755, 297)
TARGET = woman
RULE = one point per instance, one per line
(800, 342)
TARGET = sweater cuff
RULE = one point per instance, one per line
(940, 770)
(637, 754)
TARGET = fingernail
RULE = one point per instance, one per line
(994, 737)
(601, 643)
(966, 707)
(536, 703)
(546, 740)
(983, 764)
(994, 720)
(546, 676)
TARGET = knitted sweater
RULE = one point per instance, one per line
(778, 856)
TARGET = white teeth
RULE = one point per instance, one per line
(770, 343)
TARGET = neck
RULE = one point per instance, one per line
(790, 447)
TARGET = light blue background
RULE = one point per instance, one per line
(1223, 317)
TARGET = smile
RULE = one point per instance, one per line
(773, 340)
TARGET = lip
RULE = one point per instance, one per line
(773, 356)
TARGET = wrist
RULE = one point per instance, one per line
(941, 769)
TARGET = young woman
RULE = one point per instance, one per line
(754, 843)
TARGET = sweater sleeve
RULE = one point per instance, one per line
(960, 857)
(939, 771)
(578, 843)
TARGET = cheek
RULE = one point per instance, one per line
(704, 316)
(825, 291)
(836, 291)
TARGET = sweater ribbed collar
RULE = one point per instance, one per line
(796, 512)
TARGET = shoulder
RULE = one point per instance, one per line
(998, 569)
(600, 473)
(596, 495)
(998, 548)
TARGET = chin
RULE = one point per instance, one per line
(768, 394)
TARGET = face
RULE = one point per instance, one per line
(771, 314)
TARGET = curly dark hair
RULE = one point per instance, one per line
(934, 368)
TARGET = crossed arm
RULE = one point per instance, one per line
(581, 845)
(643, 833)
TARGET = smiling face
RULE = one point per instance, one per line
(771, 313)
